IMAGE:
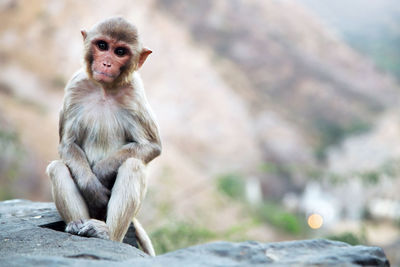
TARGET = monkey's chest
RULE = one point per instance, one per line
(102, 131)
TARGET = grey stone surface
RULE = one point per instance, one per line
(25, 242)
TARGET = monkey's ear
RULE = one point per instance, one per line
(143, 55)
(84, 34)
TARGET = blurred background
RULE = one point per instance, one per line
(279, 119)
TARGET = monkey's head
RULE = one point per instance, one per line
(113, 51)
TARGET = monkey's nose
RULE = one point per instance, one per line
(108, 65)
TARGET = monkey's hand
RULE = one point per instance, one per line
(97, 197)
(106, 172)
(88, 228)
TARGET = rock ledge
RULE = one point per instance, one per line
(29, 235)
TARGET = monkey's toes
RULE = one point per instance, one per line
(94, 228)
(74, 227)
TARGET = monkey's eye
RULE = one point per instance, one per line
(120, 51)
(102, 45)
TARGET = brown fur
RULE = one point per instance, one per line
(107, 136)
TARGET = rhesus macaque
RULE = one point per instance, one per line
(107, 136)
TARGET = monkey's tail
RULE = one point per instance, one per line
(143, 238)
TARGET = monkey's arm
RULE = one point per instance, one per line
(95, 194)
(72, 155)
(107, 168)
(76, 160)
(146, 150)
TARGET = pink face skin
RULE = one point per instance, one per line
(108, 58)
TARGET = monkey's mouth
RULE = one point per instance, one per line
(104, 74)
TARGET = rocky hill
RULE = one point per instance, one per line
(297, 70)
(370, 27)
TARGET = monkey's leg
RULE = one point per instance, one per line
(126, 196)
(69, 201)
(71, 205)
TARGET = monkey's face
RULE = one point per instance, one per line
(109, 59)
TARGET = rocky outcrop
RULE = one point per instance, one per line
(31, 234)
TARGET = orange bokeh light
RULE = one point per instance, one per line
(315, 221)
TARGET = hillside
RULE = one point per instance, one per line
(297, 70)
(370, 27)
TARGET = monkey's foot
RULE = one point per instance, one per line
(88, 228)
(74, 227)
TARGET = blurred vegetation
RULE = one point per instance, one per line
(273, 213)
(178, 235)
(350, 238)
(277, 216)
(11, 152)
(382, 46)
(333, 133)
(231, 185)
(389, 169)
(181, 234)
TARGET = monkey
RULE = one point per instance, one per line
(107, 136)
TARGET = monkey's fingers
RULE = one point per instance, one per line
(74, 227)
(87, 230)
(94, 228)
